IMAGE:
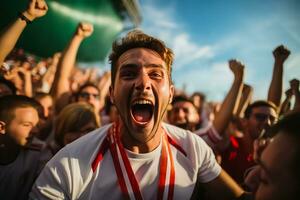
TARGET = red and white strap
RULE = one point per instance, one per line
(126, 178)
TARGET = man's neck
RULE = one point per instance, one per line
(137, 146)
(8, 152)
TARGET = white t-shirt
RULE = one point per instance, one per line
(69, 174)
(210, 135)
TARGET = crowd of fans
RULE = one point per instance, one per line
(47, 103)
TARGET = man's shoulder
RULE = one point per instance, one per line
(179, 133)
(175, 131)
(184, 138)
(89, 141)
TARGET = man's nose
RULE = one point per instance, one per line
(143, 83)
(180, 114)
(46, 112)
(267, 122)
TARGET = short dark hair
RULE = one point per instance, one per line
(138, 39)
(9, 84)
(182, 98)
(199, 94)
(259, 103)
(9, 103)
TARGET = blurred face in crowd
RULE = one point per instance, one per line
(261, 117)
(184, 115)
(72, 136)
(47, 103)
(278, 179)
(20, 126)
(4, 90)
(141, 92)
(197, 101)
(90, 95)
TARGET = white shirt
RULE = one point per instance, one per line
(69, 174)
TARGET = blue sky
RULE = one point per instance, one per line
(206, 34)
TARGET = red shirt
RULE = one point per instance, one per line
(235, 161)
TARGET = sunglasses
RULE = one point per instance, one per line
(86, 95)
(262, 117)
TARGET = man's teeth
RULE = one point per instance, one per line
(142, 102)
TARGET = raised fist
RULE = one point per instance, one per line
(294, 84)
(36, 9)
(237, 68)
(281, 53)
(84, 29)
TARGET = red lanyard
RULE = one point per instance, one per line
(115, 145)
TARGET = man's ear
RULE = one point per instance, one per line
(111, 94)
(172, 91)
(2, 127)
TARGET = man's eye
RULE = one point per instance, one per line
(128, 75)
(156, 75)
(27, 125)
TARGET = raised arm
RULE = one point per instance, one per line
(48, 77)
(27, 83)
(285, 107)
(246, 97)
(281, 53)
(10, 35)
(104, 84)
(295, 89)
(61, 82)
(230, 103)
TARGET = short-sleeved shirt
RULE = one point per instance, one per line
(70, 175)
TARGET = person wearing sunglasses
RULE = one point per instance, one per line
(90, 94)
(237, 157)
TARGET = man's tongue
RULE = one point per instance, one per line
(141, 115)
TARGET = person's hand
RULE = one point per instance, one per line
(35, 9)
(84, 29)
(294, 85)
(281, 53)
(237, 68)
(247, 88)
(55, 58)
(259, 146)
(252, 178)
(23, 71)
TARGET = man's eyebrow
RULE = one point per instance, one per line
(129, 65)
(154, 65)
(151, 65)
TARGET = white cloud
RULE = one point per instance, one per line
(214, 80)
(165, 26)
(201, 67)
(186, 51)
(159, 18)
(292, 68)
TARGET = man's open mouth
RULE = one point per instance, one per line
(142, 111)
